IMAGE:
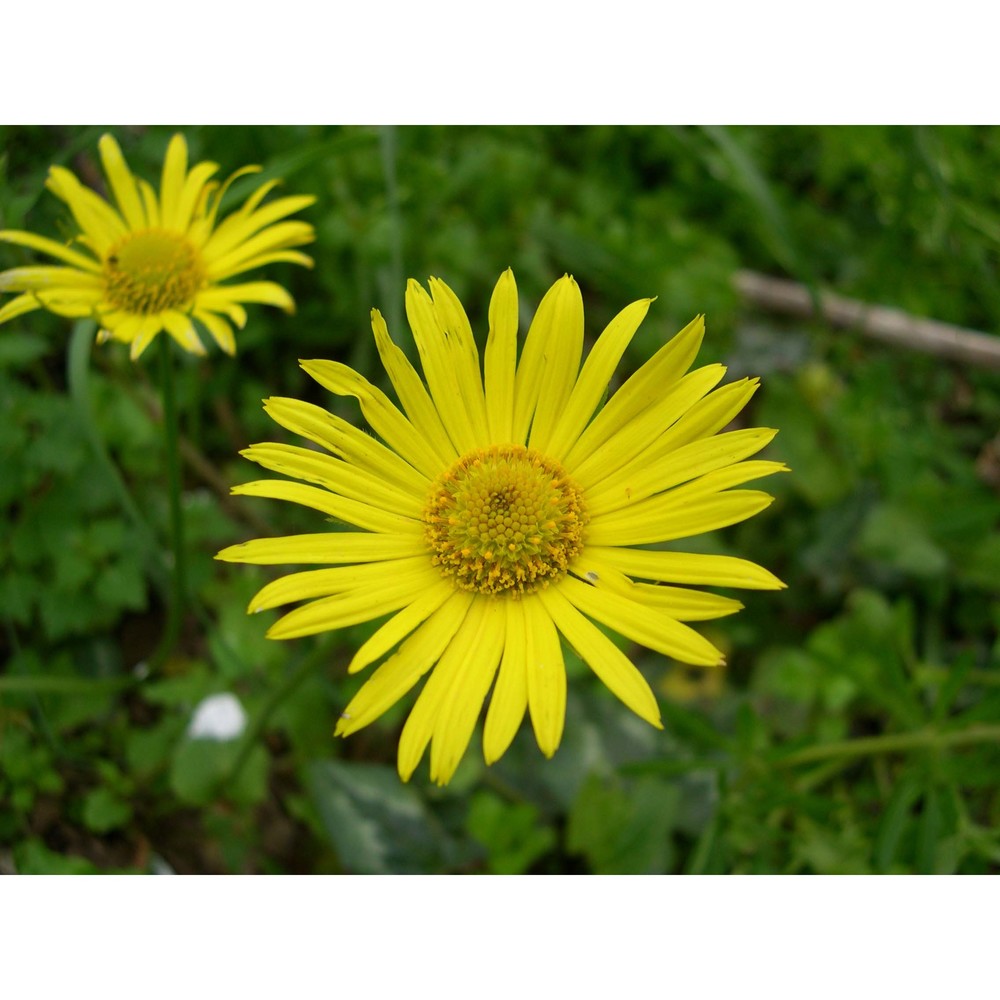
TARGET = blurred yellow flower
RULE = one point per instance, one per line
(156, 262)
(501, 512)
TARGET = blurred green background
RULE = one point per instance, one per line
(856, 726)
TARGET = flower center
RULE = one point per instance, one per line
(504, 519)
(151, 271)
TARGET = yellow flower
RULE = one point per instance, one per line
(156, 262)
(501, 512)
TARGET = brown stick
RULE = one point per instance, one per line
(891, 326)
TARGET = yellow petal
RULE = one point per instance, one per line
(220, 331)
(332, 580)
(610, 664)
(401, 671)
(411, 392)
(546, 675)
(509, 700)
(595, 376)
(324, 547)
(336, 475)
(657, 631)
(664, 518)
(218, 297)
(688, 567)
(558, 314)
(180, 327)
(18, 307)
(562, 331)
(633, 440)
(677, 602)
(346, 441)
(400, 625)
(462, 701)
(464, 355)
(501, 359)
(172, 182)
(645, 388)
(439, 368)
(278, 237)
(52, 248)
(363, 515)
(380, 413)
(354, 606)
(640, 480)
(122, 182)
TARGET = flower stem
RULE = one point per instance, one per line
(919, 739)
(78, 379)
(178, 577)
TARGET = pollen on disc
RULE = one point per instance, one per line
(504, 520)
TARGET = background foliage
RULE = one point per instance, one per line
(856, 726)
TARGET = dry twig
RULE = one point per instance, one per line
(891, 326)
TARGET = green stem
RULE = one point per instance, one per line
(178, 577)
(920, 739)
(78, 377)
(309, 663)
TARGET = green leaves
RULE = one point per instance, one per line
(377, 824)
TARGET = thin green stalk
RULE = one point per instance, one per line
(78, 376)
(920, 739)
(249, 740)
(178, 578)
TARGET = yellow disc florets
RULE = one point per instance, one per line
(504, 519)
(151, 271)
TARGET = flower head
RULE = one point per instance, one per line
(508, 511)
(156, 262)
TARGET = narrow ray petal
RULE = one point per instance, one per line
(324, 547)
(641, 391)
(610, 664)
(439, 368)
(345, 441)
(501, 359)
(122, 182)
(688, 567)
(437, 692)
(400, 625)
(559, 315)
(336, 475)
(388, 422)
(665, 518)
(58, 250)
(638, 481)
(463, 701)
(172, 181)
(352, 607)
(220, 331)
(546, 676)
(400, 672)
(464, 355)
(417, 404)
(678, 602)
(331, 580)
(363, 515)
(595, 376)
(656, 631)
(633, 440)
(509, 700)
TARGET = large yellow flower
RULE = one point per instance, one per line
(501, 512)
(155, 262)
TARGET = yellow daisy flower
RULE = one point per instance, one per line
(156, 262)
(501, 512)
